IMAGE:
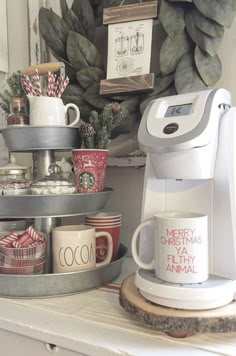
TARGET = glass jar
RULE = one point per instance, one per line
(18, 115)
(13, 179)
(54, 183)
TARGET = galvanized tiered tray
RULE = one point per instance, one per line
(39, 206)
(55, 284)
(47, 210)
(33, 138)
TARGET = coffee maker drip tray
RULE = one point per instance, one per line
(213, 293)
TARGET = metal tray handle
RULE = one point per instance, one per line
(44, 68)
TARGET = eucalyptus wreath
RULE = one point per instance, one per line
(188, 56)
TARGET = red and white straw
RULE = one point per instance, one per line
(37, 85)
(50, 88)
(28, 85)
(55, 88)
(62, 87)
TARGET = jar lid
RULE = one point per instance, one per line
(12, 167)
(54, 177)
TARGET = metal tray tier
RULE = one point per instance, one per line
(43, 206)
(55, 284)
(37, 138)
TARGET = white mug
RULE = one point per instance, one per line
(180, 247)
(74, 248)
(50, 111)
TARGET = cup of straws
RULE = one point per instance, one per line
(46, 106)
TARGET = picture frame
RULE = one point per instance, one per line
(129, 48)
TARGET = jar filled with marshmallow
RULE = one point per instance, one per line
(54, 183)
(13, 179)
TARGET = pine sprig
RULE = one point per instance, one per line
(15, 89)
(97, 133)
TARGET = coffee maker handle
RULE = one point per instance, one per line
(134, 246)
(109, 248)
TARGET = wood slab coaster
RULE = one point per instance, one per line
(175, 322)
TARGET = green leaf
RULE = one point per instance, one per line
(131, 104)
(54, 31)
(126, 126)
(180, 0)
(84, 12)
(221, 11)
(209, 67)
(120, 97)
(206, 25)
(207, 43)
(74, 94)
(168, 92)
(173, 50)
(64, 8)
(89, 76)
(73, 90)
(73, 22)
(172, 18)
(81, 52)
(187, 78)
(161, 83)
(70, 72)
(93, 98)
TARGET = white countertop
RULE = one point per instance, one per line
(94, 323)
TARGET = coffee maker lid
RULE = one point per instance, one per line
(184, 121)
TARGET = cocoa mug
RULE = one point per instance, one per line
(74, 248)
(50, 111)
(180, 247)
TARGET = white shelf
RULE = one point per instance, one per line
(128, 161)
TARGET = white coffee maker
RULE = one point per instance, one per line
(190, 141)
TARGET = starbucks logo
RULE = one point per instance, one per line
(86, 180)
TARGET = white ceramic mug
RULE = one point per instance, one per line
(50, 111)
(74, 248)
(180, 247)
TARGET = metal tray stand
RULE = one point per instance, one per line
(33, 206)
(55, 284)
(37, 138)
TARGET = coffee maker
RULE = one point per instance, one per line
(190, 141)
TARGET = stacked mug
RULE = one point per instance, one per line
(111, 223)
(23, 252)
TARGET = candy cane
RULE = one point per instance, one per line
(8, 239)
(34, 234)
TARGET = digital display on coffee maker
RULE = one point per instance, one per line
(178, 110)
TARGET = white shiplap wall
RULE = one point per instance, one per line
(121, 179)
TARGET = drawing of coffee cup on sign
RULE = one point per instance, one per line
(129, 48)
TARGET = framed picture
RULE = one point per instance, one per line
(129, 48)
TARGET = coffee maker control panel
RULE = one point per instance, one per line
(176, 115)
(182, 121)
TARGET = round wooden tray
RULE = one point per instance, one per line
(179, 321)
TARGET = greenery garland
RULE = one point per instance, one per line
(188, 57)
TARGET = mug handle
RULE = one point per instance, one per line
(134, 246)
(110, 247)
(73, 106)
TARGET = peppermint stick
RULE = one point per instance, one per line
(62, 87)
(36, 81)
(28, 85)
